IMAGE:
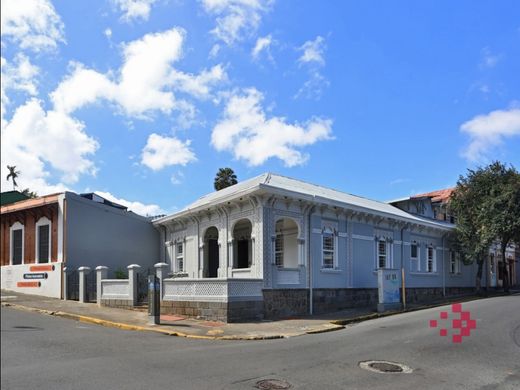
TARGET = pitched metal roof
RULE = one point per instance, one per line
(274, 183)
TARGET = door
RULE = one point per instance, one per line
(213, 258)
(243, 254)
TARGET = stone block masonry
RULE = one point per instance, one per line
(238, 311)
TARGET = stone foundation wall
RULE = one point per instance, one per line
(117, 303)
(282, 303)
(285, 303)
(333, 299)
(215, 311)
(431, 294)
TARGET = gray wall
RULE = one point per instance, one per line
(97, 234)
(357, 257)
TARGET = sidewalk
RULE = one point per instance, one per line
(193, 328)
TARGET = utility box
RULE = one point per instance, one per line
(154, 300)
(389, 288)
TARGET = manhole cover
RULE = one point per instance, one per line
(385, 367)
(272, 384)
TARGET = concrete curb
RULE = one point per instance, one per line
(372, 316)
(123, 326)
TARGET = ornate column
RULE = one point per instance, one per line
(83, 272)
(132, 282)
(101, 273)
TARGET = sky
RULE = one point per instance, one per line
(141, 101)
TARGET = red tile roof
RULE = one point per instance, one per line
(442, 196)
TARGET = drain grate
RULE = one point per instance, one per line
(272, 384)
(385, 367)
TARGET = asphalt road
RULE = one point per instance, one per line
(45, 352)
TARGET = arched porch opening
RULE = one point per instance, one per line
(242, 244)
(286, 244)
(211, 253)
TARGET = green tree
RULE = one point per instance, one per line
(486, 203)
(225, 177)
(29, 193)
(13, 175)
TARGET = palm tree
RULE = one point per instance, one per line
(225, 177)
(13, 174)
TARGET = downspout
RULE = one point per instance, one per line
(443, 267)
(309, 231)
(403, 287)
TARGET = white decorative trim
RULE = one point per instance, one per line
(361, 237)
(342, 234)
(16, 226)
(42, 222)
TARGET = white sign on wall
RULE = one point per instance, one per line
(389, 283)
(36, 279)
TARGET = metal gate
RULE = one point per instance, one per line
(142, 286)
(91, 287)
(72, 285)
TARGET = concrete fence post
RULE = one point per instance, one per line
(64, 283)
(132, 282)
(83, 272)
(161, 270)
(101, 273)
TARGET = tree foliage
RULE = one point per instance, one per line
(31, 194)
(225, 177)
(13, 175)
(486, 203)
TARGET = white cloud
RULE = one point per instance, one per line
(161, 152)
(19, 76)
(313, 51)
(313, 87)
(198, 85)
(245, 131)
(488, 60)
(35, 140)
(488, 131)
(177, 178)
(31, 24)
(134, 9)
(263, 44)
(108, 32)
(144, 83)
(236, 19)
(136, 207)
(313, 59)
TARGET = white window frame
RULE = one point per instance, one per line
(417, 258)
(180, 256)
(329, 231)
(42, 222)
(16, 226)
(279, 239)
(388, 253)
(454, 263)
(433, 259)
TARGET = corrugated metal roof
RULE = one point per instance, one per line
(313, 192)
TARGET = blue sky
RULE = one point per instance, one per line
(143, 100)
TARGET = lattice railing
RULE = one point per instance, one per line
(217, 290)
